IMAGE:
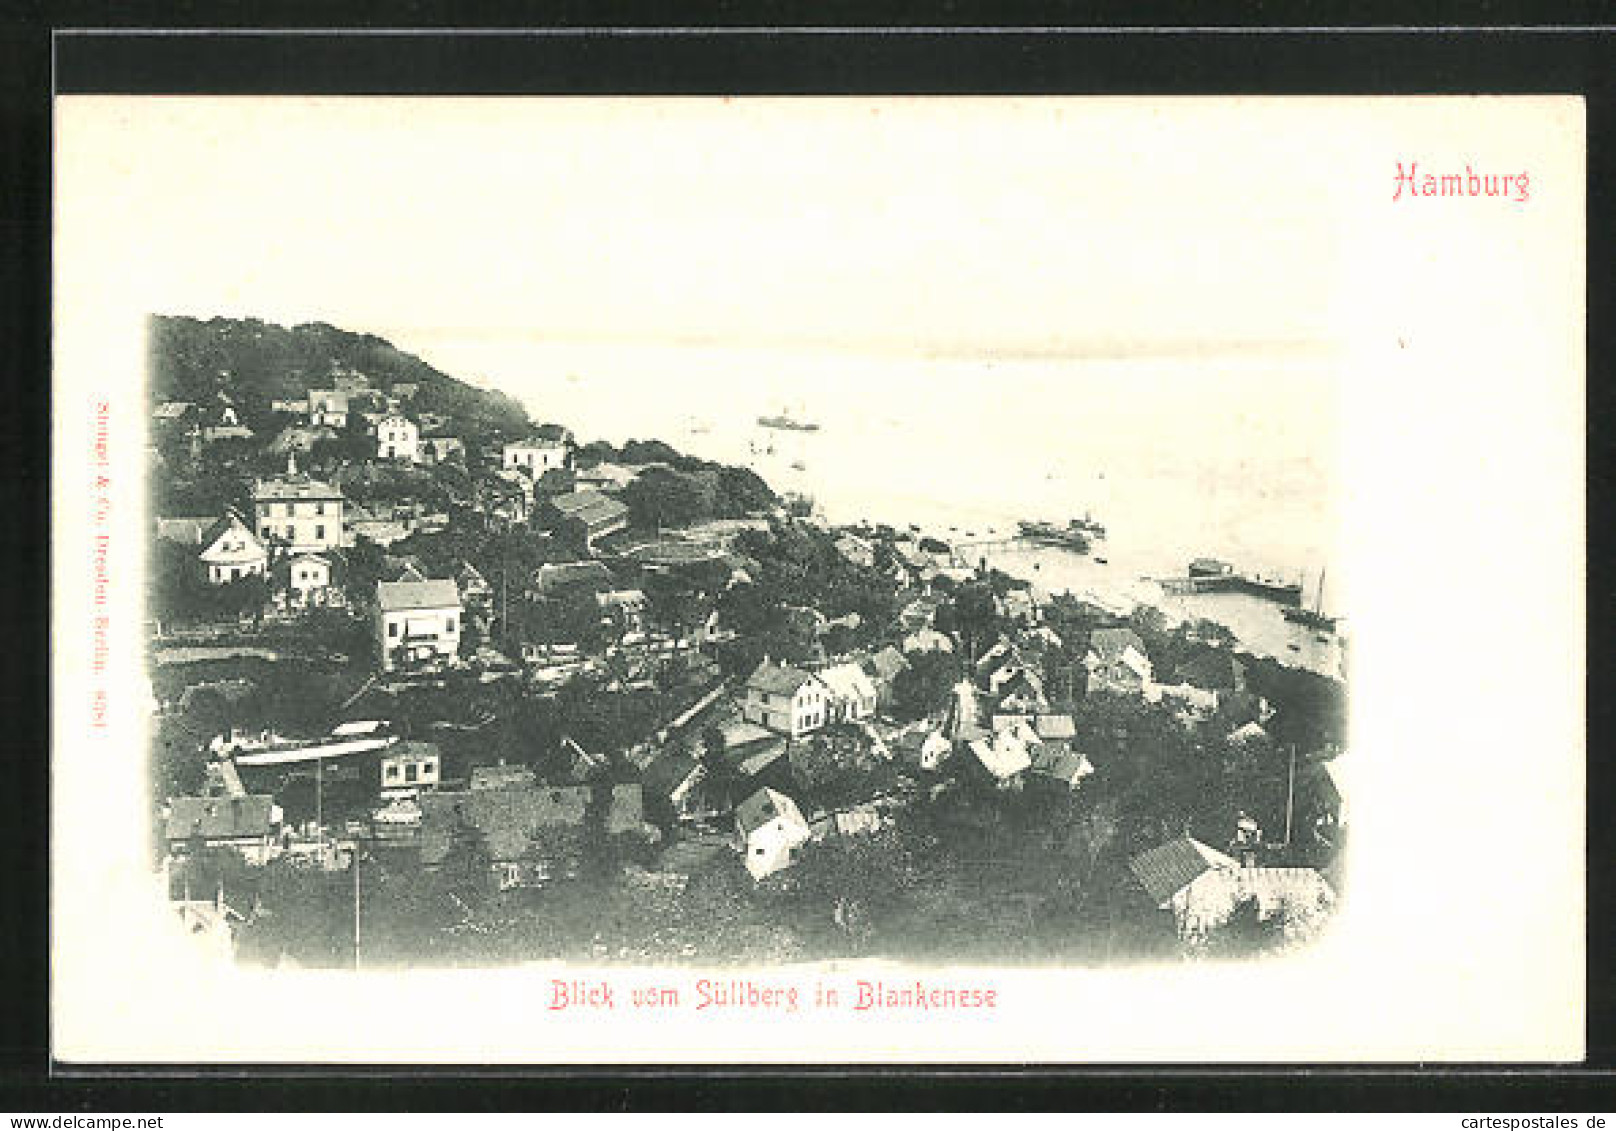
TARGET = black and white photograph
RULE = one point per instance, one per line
(897, 575)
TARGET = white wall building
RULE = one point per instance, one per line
(772, 829)
(535, 456)
(328, 407)
(229, 550)
(306, 579)
(785, 699)
(300, 512)
(417, 621)
(852, 693)
(410, 767)
(397, 437)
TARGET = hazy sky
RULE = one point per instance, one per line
(955, 228)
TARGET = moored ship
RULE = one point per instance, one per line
(1068, 537)
(1209, 575)
(1313, 618)
(786, 423)
(270, 749)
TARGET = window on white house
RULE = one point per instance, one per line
(319, 532)
(449, 624)
(392, 771)
(392, 629)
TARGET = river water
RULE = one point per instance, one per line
(1179, 457)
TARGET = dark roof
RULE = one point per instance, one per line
(1110, 643)
(506, 818)
(665, 773)
(226, 522)
(777, 679)
(593, 508)
(1062, 763)
(762, 807)
(220, 818)
(555, 578)
(887, 663)
(1167, 869)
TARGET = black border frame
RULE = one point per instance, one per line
(960, 48)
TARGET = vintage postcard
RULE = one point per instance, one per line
(857, 580)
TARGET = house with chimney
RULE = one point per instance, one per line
(298, 511)
(785, 699)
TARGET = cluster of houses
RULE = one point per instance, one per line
(718, 778)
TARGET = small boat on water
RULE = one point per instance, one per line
(1101, 561)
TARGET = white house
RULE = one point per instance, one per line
(1203, 888)
(300, 512)
(535, 456)
(785, 699)
(329, 407)
(417, 621)
(397, 437)
(306, 579)
(1117, 661)
(230, 550)
(771, 830)
(853, 694)
(410, 767)
(1007, 754)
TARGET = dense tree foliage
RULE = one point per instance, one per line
(256, 362)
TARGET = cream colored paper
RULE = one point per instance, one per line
(897, 232)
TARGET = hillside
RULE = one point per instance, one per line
(256, 362)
